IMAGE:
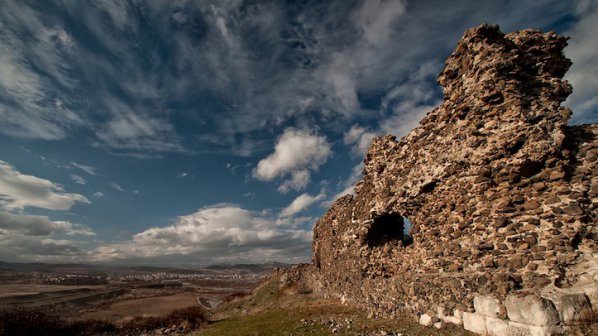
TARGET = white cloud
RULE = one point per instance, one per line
(360, 137)
(375, 19)
(299, 204)
(296, 153)
(409, 101)
(32, 238)
(30, 225)
(117, 186)
(214, 234)
(350, 190)
(98, 194)
(583, 50)
(19, 247)
(348, 186)
(78, 179)
(350, 68)
(299, 180)
(18, 191)
(32, 105)
(133, 133)
(88, 169)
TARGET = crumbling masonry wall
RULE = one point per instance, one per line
(501, 193)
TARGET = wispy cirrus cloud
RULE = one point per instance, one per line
(582, 50)
(34, 103)
(117, 186)
(360, 138)
(144, 71)
(88, 169)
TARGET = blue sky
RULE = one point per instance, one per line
(199, 132)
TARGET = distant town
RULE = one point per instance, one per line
(94, 275)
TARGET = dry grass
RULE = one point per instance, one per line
(146, 307)
(20, 322)
(235, 296)
(190, 317)
(293, 310)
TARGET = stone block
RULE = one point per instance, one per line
(425, 320)
(496, 326)
(522, 329)
(486, 305)
(531, 309)
(571, 307)
(453, 320)
(475, 323)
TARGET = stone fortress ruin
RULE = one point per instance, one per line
(501, 193)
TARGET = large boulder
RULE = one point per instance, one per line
(531, 309)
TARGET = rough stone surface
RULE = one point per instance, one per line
(475, 323)
(497, 327)
(521, 329)
(572, 307)
(485, 305)
(500, 192)
(425, 320)
(531, 309)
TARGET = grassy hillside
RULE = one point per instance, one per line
(287, 310)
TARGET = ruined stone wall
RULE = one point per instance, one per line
(501, 193)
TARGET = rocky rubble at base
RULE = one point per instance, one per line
(501, 193)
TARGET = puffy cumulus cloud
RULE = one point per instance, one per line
(38, 238)
(214, 234)
(299, 180)
(299, 204)
(18, 191)
(582, 50)
(30, 225)
(18, 247)
(360, 138)
(296, 153)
